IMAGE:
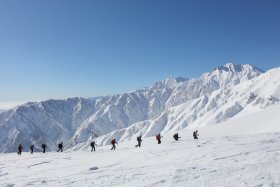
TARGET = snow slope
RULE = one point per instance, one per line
(230, 161)
(244, 151)
(169, 105)
(265, 121)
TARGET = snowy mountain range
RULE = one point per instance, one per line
(170, 105)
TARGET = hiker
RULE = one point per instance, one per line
(20, 148)
(158, 137)
(93, 144)
(113, 142)
(195, 134)
(139, 140)
(31, 148)
(44, 146)
(176, 136)
(60, 147)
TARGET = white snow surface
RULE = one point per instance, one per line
(239, 152)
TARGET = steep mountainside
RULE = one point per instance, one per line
(212, 108)
(171, 104)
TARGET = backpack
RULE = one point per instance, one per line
(113, 141)
(158, 137)
(92, 144)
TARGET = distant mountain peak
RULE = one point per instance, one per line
(170, 82)
(232, 67)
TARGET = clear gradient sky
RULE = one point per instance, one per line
(66, 48)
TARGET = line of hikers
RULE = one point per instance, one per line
(176, 136)
(113, 142)
(139, 140)
(43, 146)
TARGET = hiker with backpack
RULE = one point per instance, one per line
(93, 144)
(31, 148)
(139, 140)
(113, 142)
(176, 136)
(44, 146)
(20, 148)
(60, 147)
(158, 138)
(195, 134)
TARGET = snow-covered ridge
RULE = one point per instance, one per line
(223, 104)
(169, 105)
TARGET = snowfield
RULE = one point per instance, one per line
(219, 158)
(249, 160)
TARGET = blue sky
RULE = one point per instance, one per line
(66, 48)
